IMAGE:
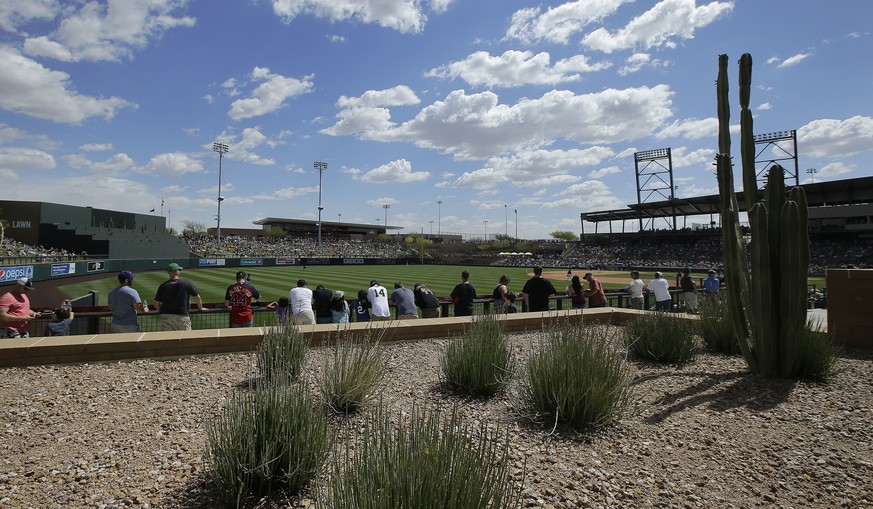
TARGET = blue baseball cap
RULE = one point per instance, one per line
(125, 275)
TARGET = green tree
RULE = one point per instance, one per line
(193, 228)
(275, 233)
(564, 235)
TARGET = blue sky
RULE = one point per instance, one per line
(489, 106)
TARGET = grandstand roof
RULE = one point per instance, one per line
(304, 226)
(838, 192)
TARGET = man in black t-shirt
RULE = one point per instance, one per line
(321, 298)
(172, 300)
(463, 295)
(537, 291)
(427, 301)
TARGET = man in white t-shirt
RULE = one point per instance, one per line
(301, 304)
(635, 289)
(661, 288)
(378, 297)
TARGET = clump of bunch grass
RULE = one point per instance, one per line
(661, 337)
(353, 372)
(479, 363)
(818, 354)
(575, 378)
(267, 440)
(281, 353)
(423, 461)
(716, 328)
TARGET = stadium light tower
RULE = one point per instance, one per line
(439, 217)
(486, 230)
(221, 148)
(386, 207)
(812, 172)
(506, 220)
(320, 166)
(431, 227)
(516, 223)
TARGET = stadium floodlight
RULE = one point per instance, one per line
(320, 166)
(486, 230)
(506, 219)
(516, 223)
(812, 172)
(431, 227)
(386, 207)
(221, 148)
(439, 217)
(339, 218)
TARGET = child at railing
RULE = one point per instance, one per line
(62, 317)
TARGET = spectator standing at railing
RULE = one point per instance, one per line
(339, 308)
(321, 298)
(125, 303)
(301, 304)
(596, 295)
(689, 290)
(15, 312)
(404, 299)
(427, 301)
(501, 294)
(362, 307)
(661, 288)
(537, 291)
(173, 300)
(62, 318)
(239, 297)
(635, 290)
(377, 295)
(576, 293)
(463, 295)
(711, 286)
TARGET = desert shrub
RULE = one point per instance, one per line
(716, 329)
(479, 363)
(281, 353)
(818, 354)
(352, 372)
(661, 337)
(266, 440)
(575, 378)
(422, 460)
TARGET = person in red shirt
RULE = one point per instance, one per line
(238, 298)
(596, 295)
(15, 312)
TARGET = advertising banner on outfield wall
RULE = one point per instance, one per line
(251, 261)
(211, 262)
(286, 261)
(353, 261)
(316, 261)
(13, 273)
(63, 269)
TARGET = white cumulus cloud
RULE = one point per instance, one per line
(395, 172)
(270, 95)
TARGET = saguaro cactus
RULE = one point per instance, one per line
(767, 305)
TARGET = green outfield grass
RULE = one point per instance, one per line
(275, 282)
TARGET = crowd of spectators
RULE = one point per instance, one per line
(295, 247)
(14, 251)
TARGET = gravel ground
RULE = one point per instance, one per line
(706, 435)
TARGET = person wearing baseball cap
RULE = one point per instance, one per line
(238, 298)
(173, 301)
(125, 303)
(15, 312)
(378, 297)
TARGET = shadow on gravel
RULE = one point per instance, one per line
(722, 392)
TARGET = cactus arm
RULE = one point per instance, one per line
(724, 107)
(765, 324)
(747, 138)
(791, 290)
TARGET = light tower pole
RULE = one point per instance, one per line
(506, 220)
(516, 223)
(320, 166)
(221, 148)
(812, 172)
(439, 217)
(486, 230)
(386, 207)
